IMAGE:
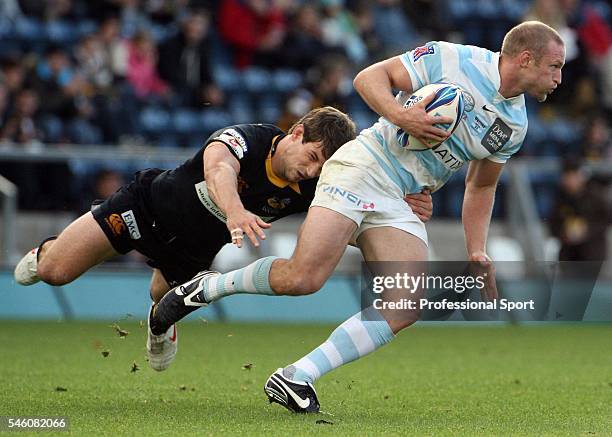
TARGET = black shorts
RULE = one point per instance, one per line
(129, 223)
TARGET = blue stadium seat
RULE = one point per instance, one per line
(61, 32)
(286, 81)
(227, 78)
(214, 119)
(240, 108)
(168, 141)
(86, 27)
(29, 29)
(256, 80)
(155, 120)
(186, 121)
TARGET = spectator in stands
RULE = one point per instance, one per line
(40, 184)
(580, 216)
(22, 124)
(12, 75)
(254, 30)
(330, 85)
(114, 47)
(9, 11)
(93, 64)
(303, 45)
(341, 30)
(393, 28)
(101, 186)
(577, 85)
(141, 70)
(186, 63)
(3, 103)
(597, 143)
(55, 81)
(65, 99)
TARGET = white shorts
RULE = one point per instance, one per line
(353, 184)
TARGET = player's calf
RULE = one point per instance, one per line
(290, 278)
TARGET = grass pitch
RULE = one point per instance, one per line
(433, 380)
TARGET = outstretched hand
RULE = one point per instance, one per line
(244, 222)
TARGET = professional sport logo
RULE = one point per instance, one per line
(419, 52)
(115, 223)
(350, 197)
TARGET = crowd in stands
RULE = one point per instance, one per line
(170, 72)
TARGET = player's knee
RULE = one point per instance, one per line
(307, 283)
(53, 274)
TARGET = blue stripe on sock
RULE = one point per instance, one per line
(344, 344)
(320, 360)
(378, 329)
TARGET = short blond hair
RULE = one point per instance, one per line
(529, 35)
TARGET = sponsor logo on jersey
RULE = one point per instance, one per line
(208, 203)
(419, 52)
(444, 155)
(468, 101)
(235, 140)
(130, 221)
(115, 224)
(211, 206)
(277, 203)
(478, 125)
(350, 197)
(497, 136)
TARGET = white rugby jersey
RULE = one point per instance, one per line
(493, 127)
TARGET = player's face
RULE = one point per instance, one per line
(303, 161)
(544, 76)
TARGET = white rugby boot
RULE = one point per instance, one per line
(161, 349)
(26, 270)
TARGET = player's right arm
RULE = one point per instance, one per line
(221, 169)
(375, 85)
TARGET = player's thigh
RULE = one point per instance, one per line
(159, 286)
(321, 242)
(79, 247)
(388, 252)
(387, 243)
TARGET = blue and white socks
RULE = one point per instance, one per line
(363, 333)
(252, 279)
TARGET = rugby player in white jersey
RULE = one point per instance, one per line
(378, 172)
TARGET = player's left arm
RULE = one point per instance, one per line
(480, 184)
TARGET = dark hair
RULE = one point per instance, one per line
(328, 125)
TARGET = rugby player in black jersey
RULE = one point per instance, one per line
(244, 177)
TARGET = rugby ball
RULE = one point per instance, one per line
(448, 102)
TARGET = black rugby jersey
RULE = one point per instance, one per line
(180, 199)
